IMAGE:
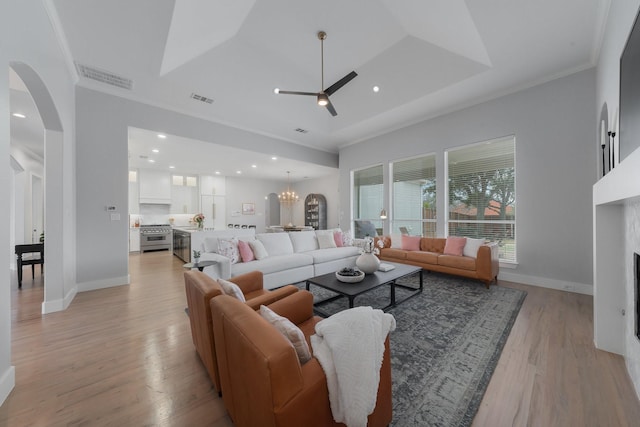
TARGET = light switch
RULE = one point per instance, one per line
(115, 217)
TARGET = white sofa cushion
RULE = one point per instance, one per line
(326, 255)
(272, 264)
(303, 241)
(276, 243)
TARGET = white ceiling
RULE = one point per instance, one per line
(427, 57)
(189, 156)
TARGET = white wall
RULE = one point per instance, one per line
(555, 129)
(102, 170)
(28, 38)
(619, 23)
(31, 167)
(248, 190)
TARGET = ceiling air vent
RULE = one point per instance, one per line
(202, 98)
(300, 130)
(104, 76)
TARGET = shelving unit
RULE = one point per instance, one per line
(315, 211)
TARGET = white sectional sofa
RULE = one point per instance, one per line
(292, 257)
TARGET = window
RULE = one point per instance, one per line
(367, 199)
(482, 193)
(414, 196)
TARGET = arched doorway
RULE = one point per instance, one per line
(52, 188)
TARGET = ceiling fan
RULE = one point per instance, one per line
(323, 95)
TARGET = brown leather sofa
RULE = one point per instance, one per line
(484, 267)
(200, 289)
(262, 379)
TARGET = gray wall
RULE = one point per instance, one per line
(102, 165)
(555, 128)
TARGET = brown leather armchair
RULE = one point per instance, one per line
(200, 289)
(263, 381)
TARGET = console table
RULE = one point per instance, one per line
(31, 260)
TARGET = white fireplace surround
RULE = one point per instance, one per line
(616, 236)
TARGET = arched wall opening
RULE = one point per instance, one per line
(55, 298)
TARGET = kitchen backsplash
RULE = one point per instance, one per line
(154, 215)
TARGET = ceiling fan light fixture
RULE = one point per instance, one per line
(323, 99)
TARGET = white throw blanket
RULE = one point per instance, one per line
(350, 347)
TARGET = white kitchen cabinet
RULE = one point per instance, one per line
(184, 195)
(154, 186)
(212, 185)
(134, 240)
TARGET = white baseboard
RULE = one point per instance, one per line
(104, 283)
(7, 383)
(59, 304)
(544, 282)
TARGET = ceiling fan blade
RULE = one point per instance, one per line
(293, 92)
(332, 110)
(343, 81)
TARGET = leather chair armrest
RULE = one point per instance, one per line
(297, 307)
(269, 297)
(249, 282)
(487, 262)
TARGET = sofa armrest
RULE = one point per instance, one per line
(221, 270)
(297, 307)
(249, 282)
(487, 262)
(269, 297)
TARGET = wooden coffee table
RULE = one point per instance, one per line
(370, 282)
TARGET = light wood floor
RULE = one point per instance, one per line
(123, 357)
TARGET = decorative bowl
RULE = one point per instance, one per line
(350, 279)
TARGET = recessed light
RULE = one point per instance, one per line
(238, 172)
(19, 115)
(172, 167)
(155, 150)
(151, 161)
(217, 172)
(274, 158)
(376, 89)
(254, 166)
(276, 91)
(162, 136)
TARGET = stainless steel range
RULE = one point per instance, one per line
(155, 237)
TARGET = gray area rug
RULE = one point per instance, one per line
(446, 345)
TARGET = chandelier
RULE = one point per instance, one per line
(289, 196)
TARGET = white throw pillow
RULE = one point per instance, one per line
(231, 289)
(229, 248)
(347, 238)
(396, 241)
(258, 249)
(326, 241)
(290, 332)
(471, 247)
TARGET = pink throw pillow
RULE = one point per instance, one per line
(410, 243)
(454, 245)
(337, 237)
(245, 251)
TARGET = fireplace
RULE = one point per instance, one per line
(636, 271)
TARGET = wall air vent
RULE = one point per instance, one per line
(300, 130)
(202, 98)
(104, 76)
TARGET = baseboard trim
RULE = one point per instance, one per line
(59, 304)
(7, 383)
(544, 282)
(104, 283)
